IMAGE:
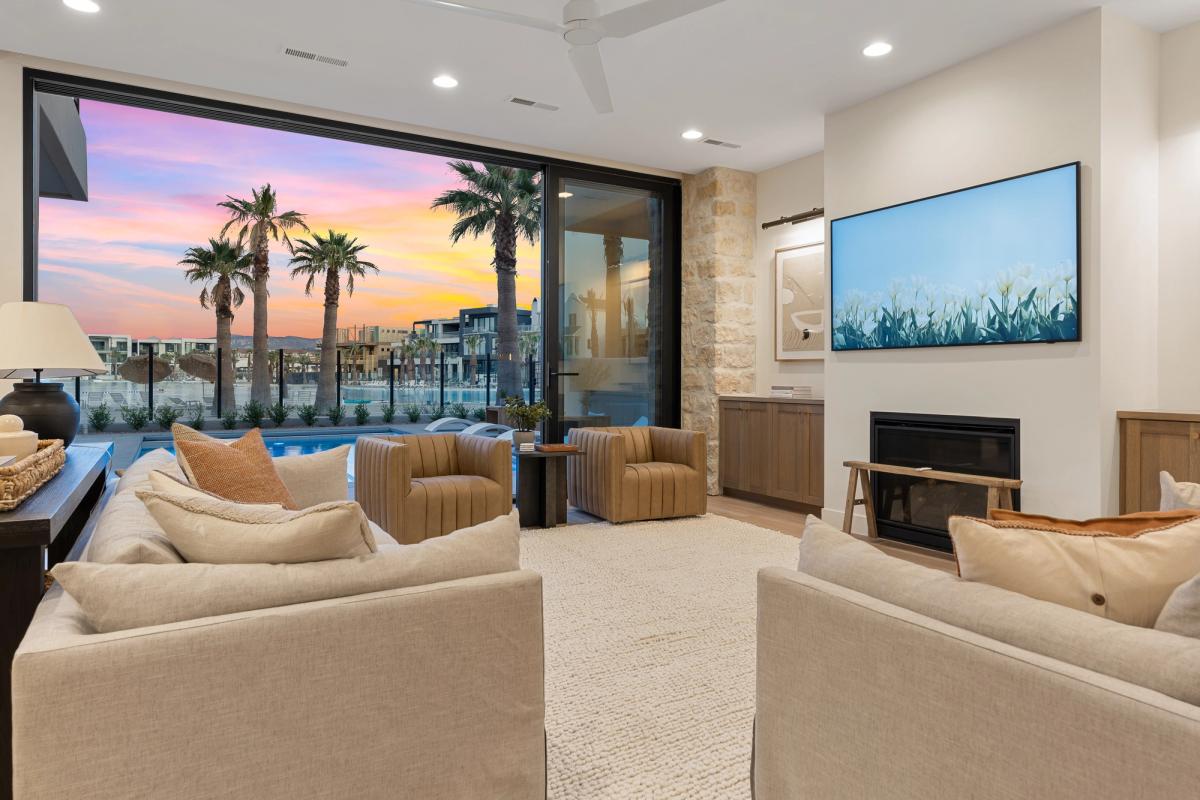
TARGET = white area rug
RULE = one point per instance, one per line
(650, 654)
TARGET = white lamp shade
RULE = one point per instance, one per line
(44, 336)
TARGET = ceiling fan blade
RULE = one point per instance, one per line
(639, 17)
(490, 13)
(586, 60)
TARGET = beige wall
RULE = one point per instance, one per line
(1179, 219)
(1029, 105)
(783, 191)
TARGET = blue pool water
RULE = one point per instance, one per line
(278, 445)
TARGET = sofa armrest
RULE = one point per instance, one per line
(432, 691)
(382, 482)
(676, 446)
(594, 478)
(485, 457)
(857, 697)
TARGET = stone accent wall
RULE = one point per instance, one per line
(718, 298)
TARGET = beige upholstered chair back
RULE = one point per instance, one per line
(433, 455)
(638, 448)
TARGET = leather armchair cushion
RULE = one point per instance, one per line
(448, 502)
(658, 490)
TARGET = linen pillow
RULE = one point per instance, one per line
(210, 530)
(1124, 525)
(117, 597)
(1124, 578)
(137, 474)
(1181, 614)
(1175, 494)
(317, 477)
(125, 533)
(241, 471)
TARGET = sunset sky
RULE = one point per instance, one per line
(154, 182)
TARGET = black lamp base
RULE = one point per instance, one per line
(44, 408)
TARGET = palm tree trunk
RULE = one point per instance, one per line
(508, 373)
(225, 364)
(260, 375)
(326, 385)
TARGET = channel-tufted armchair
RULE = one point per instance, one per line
(638, 473)
(418, 486)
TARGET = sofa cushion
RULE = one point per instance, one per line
(449, 502)
(658, 490)
(122, 596)
(210, 530)
(317, 477)
(1124, 578)
(137, 474)
(1124, 525)
(1160, 661)
(1175, 494)
(126, 533)
(242, 470)
(1181, 614)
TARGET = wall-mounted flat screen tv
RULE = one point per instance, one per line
(992, 264)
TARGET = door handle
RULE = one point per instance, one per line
(555, 374)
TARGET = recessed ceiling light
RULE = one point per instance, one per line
(691, 134)
(565, 195)
(86, 6)
(445, 82)
(877, 49)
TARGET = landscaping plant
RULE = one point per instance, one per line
(336, 414)
(166, 414)
(229, 419)
(437, 412)
(195, 419)
(135, 417)
(413, 412)
(479, 413)
(361, 414)
(99, 417)
(253, 413)
(279, 414)
(459, 410)
(308, 414)
(389, 414)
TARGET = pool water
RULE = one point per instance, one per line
(279, 445)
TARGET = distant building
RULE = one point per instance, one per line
(113, 348)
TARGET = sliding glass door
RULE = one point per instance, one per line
(612, 267)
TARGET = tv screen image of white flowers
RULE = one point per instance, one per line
(993, 264)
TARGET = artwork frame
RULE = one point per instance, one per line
(799, 297)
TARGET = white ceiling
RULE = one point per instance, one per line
(761, 73)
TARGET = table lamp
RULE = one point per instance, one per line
(44, 340)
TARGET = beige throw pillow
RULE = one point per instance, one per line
(1124, 578)
(1175, 494)
(317, 477)
(1181, 614)
(118, 597)
(210, 530)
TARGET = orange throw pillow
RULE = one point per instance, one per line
(1124, 525)
(241, 471)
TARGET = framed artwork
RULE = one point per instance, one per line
(800, 303)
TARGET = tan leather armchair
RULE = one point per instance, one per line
(418, 486)
(638, 473)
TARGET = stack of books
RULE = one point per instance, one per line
(792, 392)
(527, 447)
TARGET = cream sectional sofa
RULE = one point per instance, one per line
(430, 691)
(878, 678)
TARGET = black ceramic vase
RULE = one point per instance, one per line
(44, 408)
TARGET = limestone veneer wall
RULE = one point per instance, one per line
(719, 337)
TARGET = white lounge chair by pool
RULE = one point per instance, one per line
(449, 425)
(490, 429)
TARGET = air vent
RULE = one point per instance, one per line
(309, 55)
(719, 143)
(524, 101)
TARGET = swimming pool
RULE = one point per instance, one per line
(279, 445)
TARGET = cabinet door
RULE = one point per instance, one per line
(1150, 447)
(790, 443)
(756, 448)
(731, 434)
(814, 486)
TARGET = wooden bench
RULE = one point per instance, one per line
(999, 489)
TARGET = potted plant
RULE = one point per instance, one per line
(526, 417)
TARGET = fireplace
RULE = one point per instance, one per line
(916, 510)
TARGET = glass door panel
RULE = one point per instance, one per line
(617, 291)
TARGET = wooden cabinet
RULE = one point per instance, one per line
(773, 450)
(1153, 441)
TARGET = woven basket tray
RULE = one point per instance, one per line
(20, 480)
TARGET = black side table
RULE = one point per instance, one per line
(542, 488)
(35, 536)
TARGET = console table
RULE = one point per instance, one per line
(34, 537)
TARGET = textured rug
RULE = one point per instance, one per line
(650, 654)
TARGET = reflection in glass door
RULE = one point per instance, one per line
(617, 332)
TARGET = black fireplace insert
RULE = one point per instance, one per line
(917, 510)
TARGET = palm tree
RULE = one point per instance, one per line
(260, 219)
(224, 268)
(507, 203)
(330, 256)
(472, 342)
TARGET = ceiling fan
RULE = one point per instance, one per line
(583, 30)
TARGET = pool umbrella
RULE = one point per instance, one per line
(199, 365)
(136, 367)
